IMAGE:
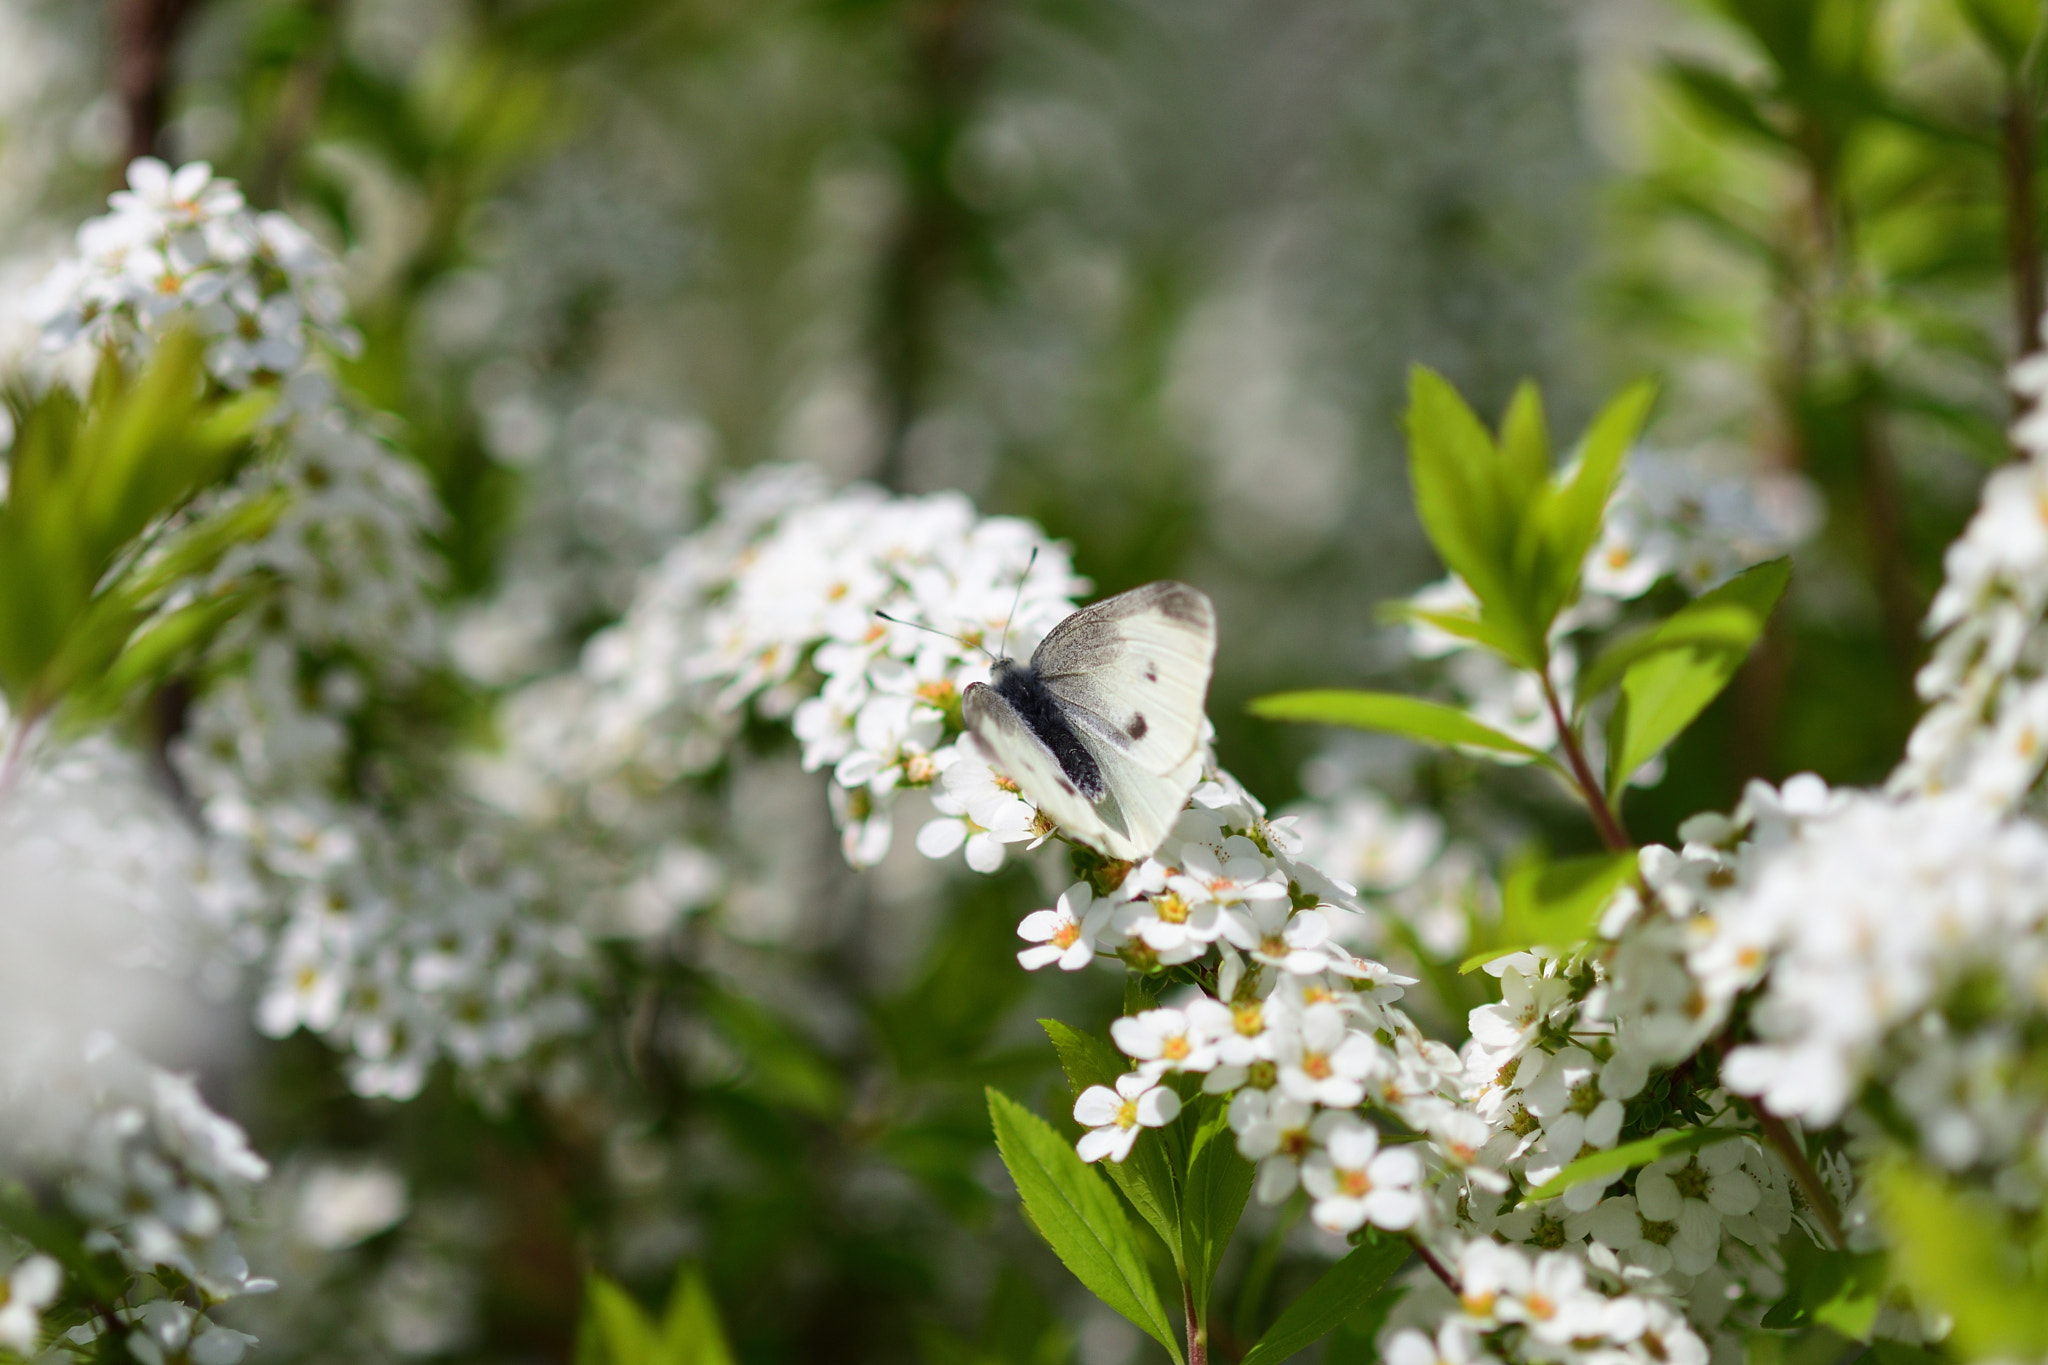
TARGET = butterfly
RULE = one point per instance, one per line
(1102, 729)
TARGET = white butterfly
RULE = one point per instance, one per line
(1102, 729)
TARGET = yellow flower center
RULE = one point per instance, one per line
(1127, 1114)
(1170, 908)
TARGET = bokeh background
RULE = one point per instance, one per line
(1151, 272)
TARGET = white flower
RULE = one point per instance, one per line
(1272, 1130)
(1066, 933)
(1457, 1342)
(979, 808)
(1322, 1061)
(1620, 1226)
(1114, 1117)
(1171, 925)
(1555, 1304)
(31, 1287)
(1165, 1040)
(1354, 1183)
(1692, 1192)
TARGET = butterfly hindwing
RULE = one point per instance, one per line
(1134, 670)
(1142, 805)
(1025, 759)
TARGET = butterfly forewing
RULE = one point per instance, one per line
(1135, 669)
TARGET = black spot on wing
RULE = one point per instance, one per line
(1137, 728)
(1151, 671)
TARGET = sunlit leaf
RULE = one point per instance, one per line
(1075, 1211)
(1953, 1251)
(1219, 1180)
(1145, 1177)
(1555, 904)
(1331, 1299)
(1629, 1155)
(1391, 713)
(1663, 690)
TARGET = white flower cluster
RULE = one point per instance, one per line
(160, 1177)
(1514, 1305)
(400, 940)
(1298, 1032)
(1897, 938)
(1986, 728)
(774, 607)
(182, 248)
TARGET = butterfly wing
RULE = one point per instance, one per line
(1025, 759)
(1134, 672)
(1140, 805)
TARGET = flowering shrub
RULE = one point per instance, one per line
(590, 835)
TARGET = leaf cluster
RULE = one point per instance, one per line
(93, 546)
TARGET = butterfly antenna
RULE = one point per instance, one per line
(930, 630)
(1016, 602)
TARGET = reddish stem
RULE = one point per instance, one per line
(1605, 818)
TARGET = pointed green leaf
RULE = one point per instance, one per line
(1343, 1288)
(1391, 713)
(1555, 904)
(1219, 1180)
(1145, 1176)
(1076, 1212)
(690, 1331)
(1470, 507)
(614, 1329)
(1956, 1254)
(1664, 689)
(1524, 447)
(1827, 1288)
(1629, 1155)
(1575, 510)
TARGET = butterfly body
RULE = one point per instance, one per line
(1020, 686)
(1102, 729)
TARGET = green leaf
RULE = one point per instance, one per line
(1460, 624)
(1331, 1299)
(1471, 505)
(1555, 904)
(614, 1330)
(1629, 1155)
(1075, 1211)
(1718, 95)
(1574, 512)
(1524, 447)
(1219, 1180)
(1684, 665)
(150, 655)
(1956, 1253)
(1827, 1288)
(782, 1066)
(1391, 713)
(1145, 1176)
(2006, 27)
(690, 1330)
